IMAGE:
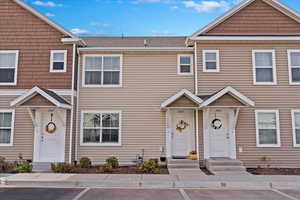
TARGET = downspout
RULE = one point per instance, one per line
(196, 68)
(77, 105)
(72, 103)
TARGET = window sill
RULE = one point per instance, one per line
(268, 146)
(101, 145)
(264, 83)
(8, 84)
(185, 74)
(6, 145)
(102, 86)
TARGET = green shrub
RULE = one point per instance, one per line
(25, 167)
(149, 167)
(155, 161)
(62, 168)
(85, 162)
(107, 168)
(113, 161)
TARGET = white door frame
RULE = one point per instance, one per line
(169, 130)
(232, 115)
(37, 131)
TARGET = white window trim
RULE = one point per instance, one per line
(102, 86)
(273, 67)
(12, 127)
(294, 127)
(191, 64)
(65, 52)
(16, 67)
(204, 60)
(101, 144)
(277, 128)
(289, 51)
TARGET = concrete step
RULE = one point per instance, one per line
(182, 161)
(225, 163)
(177, 166)
(227, 168)
(41, 167)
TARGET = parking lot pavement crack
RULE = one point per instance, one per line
(184, 194)
(284, 194)
(78, 196)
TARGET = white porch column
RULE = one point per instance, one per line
(168, 133)
(206, 141)
(197, 134)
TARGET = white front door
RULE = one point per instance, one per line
(219, 133)
(182, 133)
(50, 147)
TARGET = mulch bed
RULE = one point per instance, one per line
(119, 170)
(274, 171)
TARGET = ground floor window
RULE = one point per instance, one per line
(6, 127)
(101, 127)
(267, 128)
(296, 127)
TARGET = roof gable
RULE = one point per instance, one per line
(44, 18)
(255, 17)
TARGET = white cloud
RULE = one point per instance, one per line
(174, 7)
(99, 24)
(50, 15)
(78, 31)
(46, 4)
(207, 6)
(155, 32)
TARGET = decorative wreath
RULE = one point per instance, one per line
(216, 124)
(51, 128)
(181, 125)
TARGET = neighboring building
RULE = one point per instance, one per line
(230, 90)
(36, 85)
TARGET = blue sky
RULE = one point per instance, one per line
(136, 17)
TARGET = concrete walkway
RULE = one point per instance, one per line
(151, 181)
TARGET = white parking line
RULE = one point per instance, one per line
(284, 194)
(81, 194)
(184, 194)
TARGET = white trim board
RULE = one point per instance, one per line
(233, 92)
(65, 52)
(191, 65)
(179, 94)
(18, 92)
(289, 51)
(217, 52)
(277, 5)
(251, 38)
(33, 92)
(16, 52)
(189, 49)
(12, 111)
(293, 112)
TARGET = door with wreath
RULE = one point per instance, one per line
(183, 133)
(50, 136)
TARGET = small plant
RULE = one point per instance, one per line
(113, 161)
(155, 161)
(266, 159)
(25, 167)
(149, 167)
(85, 162)
(62, 168)
(107, 168)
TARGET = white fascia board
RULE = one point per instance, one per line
(252, 38)
(44, 18)
(232, 91)
(136, 49)
(73, 41)
(182, 92)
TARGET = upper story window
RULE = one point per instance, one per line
(267, 128)
(101, 128)
(6, 127)
(211, 61)
(264, 67)
(294, 66)
(102, 70)
(58, 61)
(8, 67)
(185, 65)
(296, 127)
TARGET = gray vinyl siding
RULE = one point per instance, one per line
(148, 80)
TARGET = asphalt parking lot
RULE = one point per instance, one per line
(144, 194)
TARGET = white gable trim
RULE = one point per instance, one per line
(45, 19)
(33, 92)
(240, 7)
(182, 92)
(232, 91)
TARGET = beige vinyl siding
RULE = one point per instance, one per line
(24, 133)
(148, 80)
(236, 71)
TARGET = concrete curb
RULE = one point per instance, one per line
(156, 184)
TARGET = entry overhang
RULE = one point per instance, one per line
(51, 96)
